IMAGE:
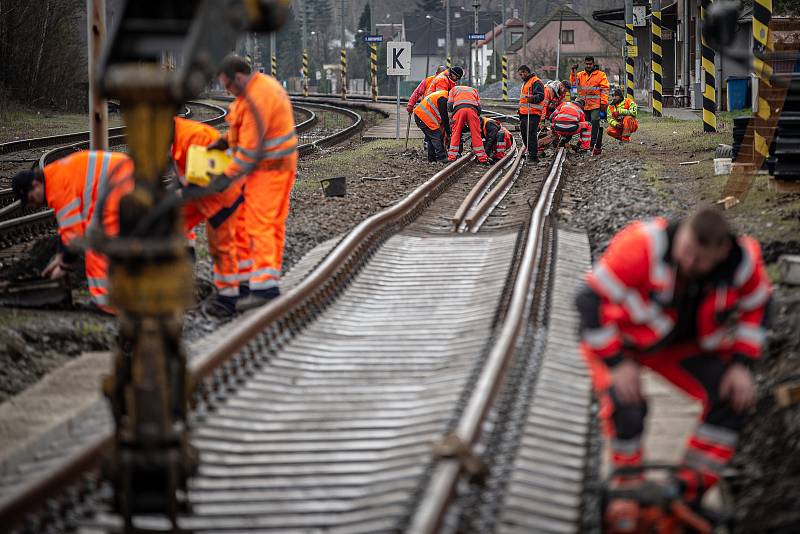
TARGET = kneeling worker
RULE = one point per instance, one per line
(75, 187)
(431, 117)
(218, 210)
(465, 105)
(496, 139)
(688, 300)
(621, 116)
(569, 120)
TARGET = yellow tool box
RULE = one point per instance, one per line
(202, 163)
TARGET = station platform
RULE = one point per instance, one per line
(387, 128)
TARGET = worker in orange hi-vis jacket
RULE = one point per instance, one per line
(592, 85)
(465, 105)
(688, 300)
(445, 80)
(431, 117)
(83, 189)
(422, 89)
(568, 120)
(263, 144)
(218, 210)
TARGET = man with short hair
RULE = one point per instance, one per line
(621, 116)
(263, 144)
(445, 80)
(422, 89)
(84, 190)
(592, 85)
(688, 300)
(531, 97)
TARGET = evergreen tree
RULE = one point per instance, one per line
(290, 48)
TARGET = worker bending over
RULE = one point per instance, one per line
(621, 116)
(465, 106)
(422, 89)
(431, 117)
(592, 85)
(569, 120)
(554, 93)
(496, 139)
(688, 300)
(445, 80)
(531, 100)
(263, 144)
(84, 190)
(218, 210)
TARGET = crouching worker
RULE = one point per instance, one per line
(465, 105)
(688, 300)
(621, 116)
(497, 141)
(431, 117)
(569, 120)
(218, 210)
(83, 189)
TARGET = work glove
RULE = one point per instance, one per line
(602, 115)
(219, 144)
(218, 183)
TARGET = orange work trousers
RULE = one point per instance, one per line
(261, 228)
(470, 117)
(220, 214)
(624, 131)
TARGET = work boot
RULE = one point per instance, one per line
(597, 151)
(257, 298)
(221, 307)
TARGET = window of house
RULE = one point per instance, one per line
(515, 36)
(567, 36)
(440, 42)
(459, 41)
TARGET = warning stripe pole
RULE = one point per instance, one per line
(305, 72)
(449, 62)
(762, 15)
(373, 60)
(344, 73)
(274, 66)
(629, 43)
(709, 78)
(273, 50)
(657, 59)
(504, 63)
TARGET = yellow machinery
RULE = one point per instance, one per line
(150, 273)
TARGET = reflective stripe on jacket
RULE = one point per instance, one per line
(531, 97)
(635, 283)
(74, 184)
(567, 113)
(441, 82)
(462, 96)
(625, 108)
(263, 100)
(429, 110)
(592, 87)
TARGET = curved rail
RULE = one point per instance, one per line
(308, 122)
(439, 491)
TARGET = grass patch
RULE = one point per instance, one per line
(345, 162)
(18, 121)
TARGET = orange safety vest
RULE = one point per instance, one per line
(504, 143)
(636, 284)
(592, 87)
(568, 113)
(74, 184)
(441, 82)
(187, 133)
(428, 110)
(461, 95)
(263, 101)
(526, 105)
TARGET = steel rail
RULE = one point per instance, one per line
(282, 311)
(329, 140)
(480, 189)
(308, 123)
(476, 217)
(439, 491)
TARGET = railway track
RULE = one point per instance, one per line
(319, 410)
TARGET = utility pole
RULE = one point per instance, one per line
(628, 45)
(343, 57)
(558, 50)
(428, 52)
(305, 47)
(477, 66)
(447, 33)
(98, 107)
(525, 32)
(505, 37)
(273, 52)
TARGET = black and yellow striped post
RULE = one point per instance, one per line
(504, 63)
(709, 79)
(344, 73)
(657, 59)
(305, 73)
(449, 62)
(629, 42)
(762, 15)
(274, 70)
(373, 69)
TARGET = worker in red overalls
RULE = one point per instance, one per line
(465, 106)
(688, 300)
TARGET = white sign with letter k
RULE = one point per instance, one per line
(398, 58)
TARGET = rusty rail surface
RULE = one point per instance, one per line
(474, 219)
(448, 469)
(89, 459)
